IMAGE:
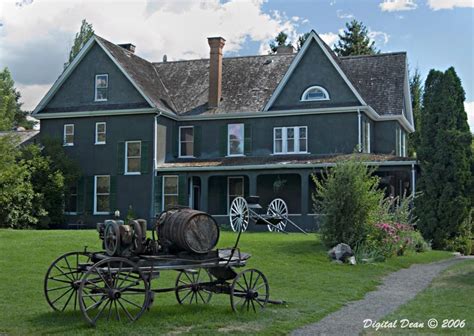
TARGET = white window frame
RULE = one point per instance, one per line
(284, 138)
(97, 133)
(315, 87)
(95, 87)
(228, 189)
(179, 142)
(96, 194)
(400, 137)
(163, 195)
(243, 140)
(64, 135)
(133, 157)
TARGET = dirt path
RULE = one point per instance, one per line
(396, 289)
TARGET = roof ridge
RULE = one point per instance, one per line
(375, 55)
(225, 58)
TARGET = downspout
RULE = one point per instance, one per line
(152, 208)
(359, 135)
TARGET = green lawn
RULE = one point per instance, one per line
(296, 266)
(449, 297)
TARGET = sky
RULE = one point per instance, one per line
(36, 35)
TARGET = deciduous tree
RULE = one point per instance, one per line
(85, 33)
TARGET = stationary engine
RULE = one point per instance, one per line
(123, 239)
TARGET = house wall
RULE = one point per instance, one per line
(384, 137)
(134, 190)
(327, 134)
(78, 91)
(314, 69)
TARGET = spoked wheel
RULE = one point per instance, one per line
(113, 288)
(277, 208)
(189, 288)
(63, 278)
(137, 237)
(249, 291)
(111, 238)
(239, 214)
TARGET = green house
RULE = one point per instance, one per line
(201, 132)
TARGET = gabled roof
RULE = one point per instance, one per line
(250, 83)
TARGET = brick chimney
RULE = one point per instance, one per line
(215, 70)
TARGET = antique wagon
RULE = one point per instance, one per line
(245, 210)
(117, 283)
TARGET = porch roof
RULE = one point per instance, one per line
(281, 161)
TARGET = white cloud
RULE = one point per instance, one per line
(35, 38)
(397, 5)
(379, 36)
(31, 94)
(469, 107)
(329, 38)
(342, 15)
(449, 4)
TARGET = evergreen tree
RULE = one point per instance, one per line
(280, 40)
(416, 92)
(445, 158)
(355, 41)
(301, 40)
(85, 33)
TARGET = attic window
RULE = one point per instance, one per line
(101, 86)
(315, 93)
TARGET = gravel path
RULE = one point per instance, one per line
(397, 288)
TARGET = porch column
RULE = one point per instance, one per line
(304, 176)
(204, 193)
(413, 180)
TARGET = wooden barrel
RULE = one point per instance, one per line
(189, 230)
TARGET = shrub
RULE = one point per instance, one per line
(348, 196)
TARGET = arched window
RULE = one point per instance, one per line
(315, 93)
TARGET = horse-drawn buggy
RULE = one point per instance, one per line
(116, 283)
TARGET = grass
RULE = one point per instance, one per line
(449, 297)
(296, 266)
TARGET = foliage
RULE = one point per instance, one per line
(355, 41)
(131, 214)
(16, 193)
(416, 92)
(301, 40)
(48, 185)
(290, 262)
(445, 160)
(280, 40)
(10, 107)
(349, 198)
(85, 33)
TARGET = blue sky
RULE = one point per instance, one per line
(36, 35)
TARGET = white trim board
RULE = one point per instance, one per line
(67, 72)
(296, 61)
(100, 113)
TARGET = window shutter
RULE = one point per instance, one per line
(144, 164)
(80, 195)
(120, 157)
(223, 142)
(113, 193)
(158, 195)
(174, 141)
(248, 139)
(89, 199)
(197, 141)
(182, 190)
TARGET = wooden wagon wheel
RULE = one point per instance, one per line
(113, 288)
(239, 214)
(277, 208)
(193, 292)
(63, 278)
(112, 238)
(249, 291)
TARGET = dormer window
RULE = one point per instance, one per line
(315, 93)
(101, 86)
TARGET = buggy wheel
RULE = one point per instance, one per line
(189, 289)
(239, 214)
(112, 238)
(113, 288)
(249, 291)
(278, 209)
(63, 278)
